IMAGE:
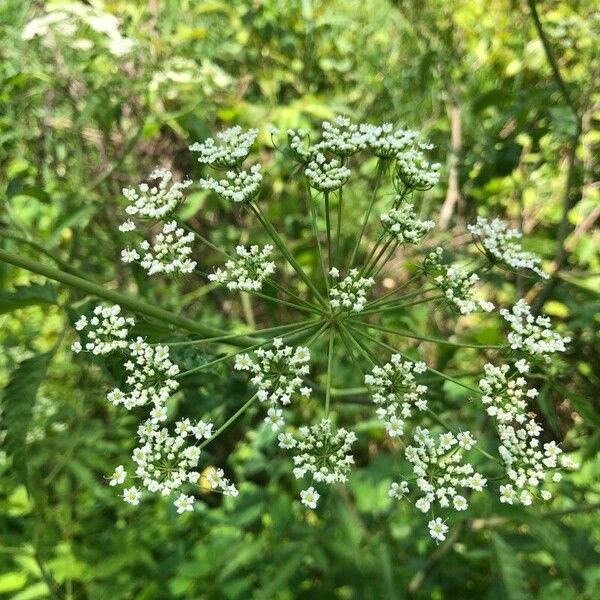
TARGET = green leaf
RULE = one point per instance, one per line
(513, 576)
(18, 401)
(27, 295)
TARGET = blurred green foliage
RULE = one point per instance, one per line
(89, 106)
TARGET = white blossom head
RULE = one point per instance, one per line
(230, 149)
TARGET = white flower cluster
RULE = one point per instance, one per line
(150, 379)
(248, 272)
(326, 175)
(349, 294)
(342, 137)
(170, 252)
(154, 200)
(526, 463)
(323, 452)
(440, 472)
(237, 186)
(457, 285)
(404, 225)
(505, 397)
(532, 335)
(230, 150)
(396, 392)
(299, 141)
(502, 245)
(416, 172)
(105, 331)
(277, 373)
(384, 142)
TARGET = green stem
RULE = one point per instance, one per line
(399, 306)
(338, 233)
(124, 300)
(222, 338)
(396, 351)
(284, 250)
(229, 421)
(424, 338)
(287, 303)
(315, 228)
(328, 227)
(226, 357)
(292, 295)
(380, 169)
(208, 242)
(329, 371)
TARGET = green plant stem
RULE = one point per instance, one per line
(315, 228)
(329, 370)
(423, 338)
(291, 294)
(226, 357)
(380, 169)
(124, 300)
(375, 304)
(207, 242)
(284, 250)
(338, 233)
(369, 268)
(300, 307)
(398, 306)
(328, 227)
(396, 351)
(222, 338)
(230, 421)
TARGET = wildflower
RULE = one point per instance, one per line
(502, 245)
(170, 252)
(230, 150)
(155, 200)
(310, 497)
(437, 529)
(132, 495)
(150, 378)
(341, 137)
(277, 372)
(105, 332)
(326, 175)
(249, 271)
(398, 490)
(404, 226)
(286, 441)
(457, 285)
(350, 294)
(184, 504)
(384, 142)
(274, 418)
(533, 335)
(414, 171)
(217, 480)
(237, 186)
(440, 470)
(324, 453)
(118, 477)
(396, 393)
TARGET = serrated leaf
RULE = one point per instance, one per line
(513, 576)
(17, 401)
(27, 295)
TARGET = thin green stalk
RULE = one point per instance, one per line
(368, 268)
(384, 262)
(372, 252)
(398, 306)
(317, 334)
(229, 421)
(392, 292)
(315, 228)
(208, 242)
(284, 250)
(124, 300)
(396, 351)
(328, 227)
(287, 303)
(226, 357)
(380, 169)
(291, 294)
(338, 234)
(347, 341)
(423, 338)
(329, 370)
(222, 338)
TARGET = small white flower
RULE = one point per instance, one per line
(184, 503)
(118, 477)
(132, 495)
(437, 529)
(310, 497)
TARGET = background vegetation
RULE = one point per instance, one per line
(505, 92)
